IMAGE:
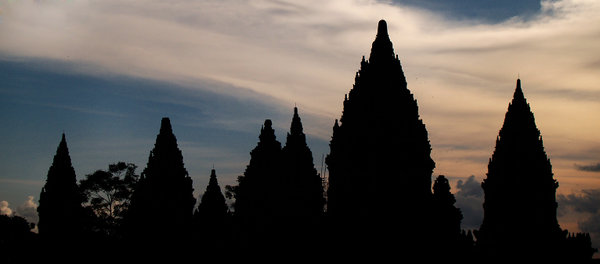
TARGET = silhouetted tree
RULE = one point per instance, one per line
(16, 239)
(61, 214)
(520, 193)
(380, 163)
(14, 228)
(108, 194)
(162, 204)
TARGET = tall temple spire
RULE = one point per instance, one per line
(379, 147)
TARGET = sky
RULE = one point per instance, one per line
(106, 72)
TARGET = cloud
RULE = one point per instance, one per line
(585, 208)
(307, 52)
(28, 210)
(489, 11)
(592, 168)
(469, 198)
(470, 187)
(587, 201)
(4, 209)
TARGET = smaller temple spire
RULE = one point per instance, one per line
(212, 204)
(267, 134)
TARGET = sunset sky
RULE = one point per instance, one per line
(106, 72)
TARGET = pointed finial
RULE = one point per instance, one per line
(266, 132)
(382, 48)
(165, 126)
(382, 28)
(296, 127)
(268, 123)
(518, 95)
(212, 181)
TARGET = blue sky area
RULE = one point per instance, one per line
(115, 118)
(490, 11)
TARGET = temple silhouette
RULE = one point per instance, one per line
(279, 202)
(379, 201)
(211, 223)
(162, 204)
(61, 212)
(520, 184)
(380, 164)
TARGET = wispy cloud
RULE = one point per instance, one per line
(592, 167)
(39, 183)
(307, 53)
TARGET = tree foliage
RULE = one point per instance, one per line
(107, 193)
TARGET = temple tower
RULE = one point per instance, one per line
(380, 164)
(163, 202)
(520, 191)
(60, 210)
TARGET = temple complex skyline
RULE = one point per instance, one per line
(107, 77)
